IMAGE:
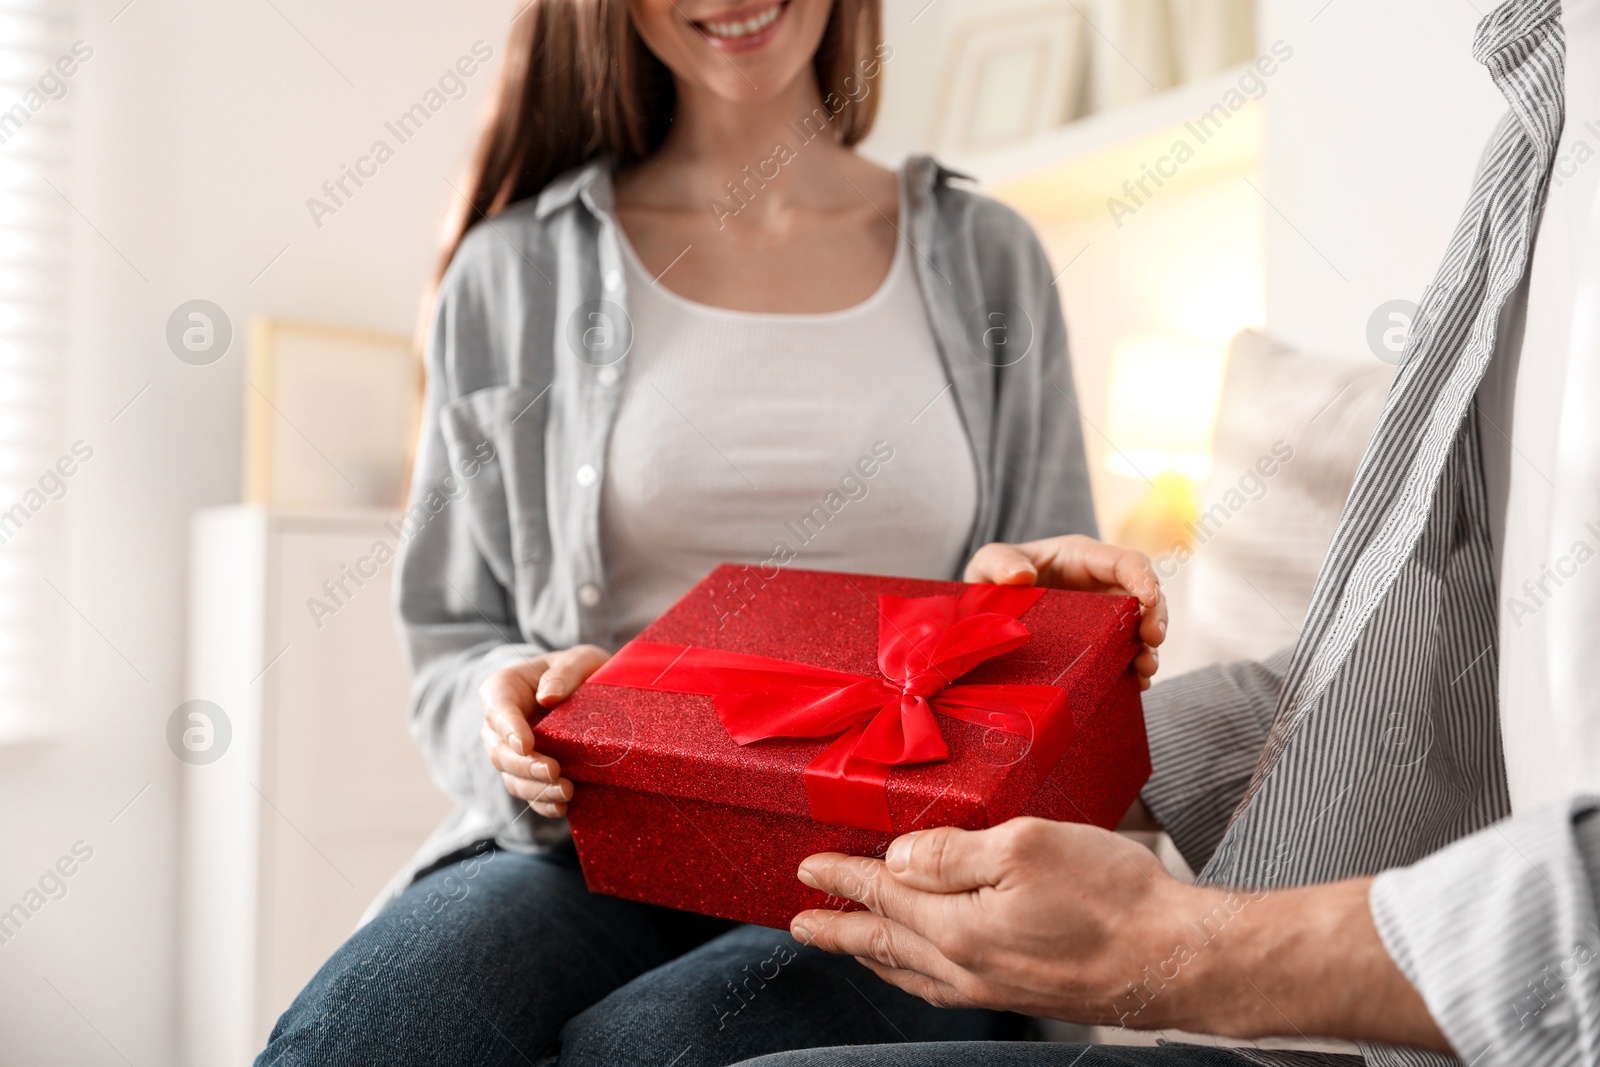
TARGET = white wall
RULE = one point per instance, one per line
(1373, 131)
(1374, 128)
(1189, 263)
(203, 128)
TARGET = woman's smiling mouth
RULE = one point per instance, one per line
(743, 28)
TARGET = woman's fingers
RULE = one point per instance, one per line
(1074, 561)
(1079, 562)
(567, 671)
(507, 736)
(1147, 662)
(1136, 574)
(510, 725)
(1000, 564)
(547, 800)
(538, 792)
(507, 696)
(535, 766)
(1124, 570)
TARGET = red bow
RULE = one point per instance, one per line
(924, 644)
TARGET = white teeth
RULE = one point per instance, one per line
(745, 27)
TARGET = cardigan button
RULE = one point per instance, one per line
(589, 594)
(587, 475)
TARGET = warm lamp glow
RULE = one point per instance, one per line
(1164, 394)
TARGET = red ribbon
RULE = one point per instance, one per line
(924, 644)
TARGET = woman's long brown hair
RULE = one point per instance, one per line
(578, 83)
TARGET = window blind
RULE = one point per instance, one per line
(35, 97)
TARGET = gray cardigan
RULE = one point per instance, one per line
(528, 345)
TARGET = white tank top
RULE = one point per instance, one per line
(827, 441)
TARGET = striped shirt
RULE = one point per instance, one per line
(1373, 745)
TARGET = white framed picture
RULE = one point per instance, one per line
(331, 415)
(1209, 36)
(1014, 73)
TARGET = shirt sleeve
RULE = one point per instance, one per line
(1207, 729)
(457, 619)
(1498, 933)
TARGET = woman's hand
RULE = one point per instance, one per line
(1077, 562)
(509, 698)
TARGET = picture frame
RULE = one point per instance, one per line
(1015, 73)
(331, 415)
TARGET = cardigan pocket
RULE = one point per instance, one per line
(495, 441)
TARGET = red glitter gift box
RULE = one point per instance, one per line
(765, 718)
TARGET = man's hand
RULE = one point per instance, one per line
(1032, 916)
(1074, 561)
(1076, 923)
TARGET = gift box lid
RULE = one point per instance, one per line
(675, 745)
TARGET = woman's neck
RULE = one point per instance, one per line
(789, 139)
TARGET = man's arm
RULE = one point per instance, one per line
(1080, 924)
(1500, 932)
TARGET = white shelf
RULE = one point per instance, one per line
(1102, 131)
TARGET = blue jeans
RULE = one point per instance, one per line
(1018, 1054)
(501, 958)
